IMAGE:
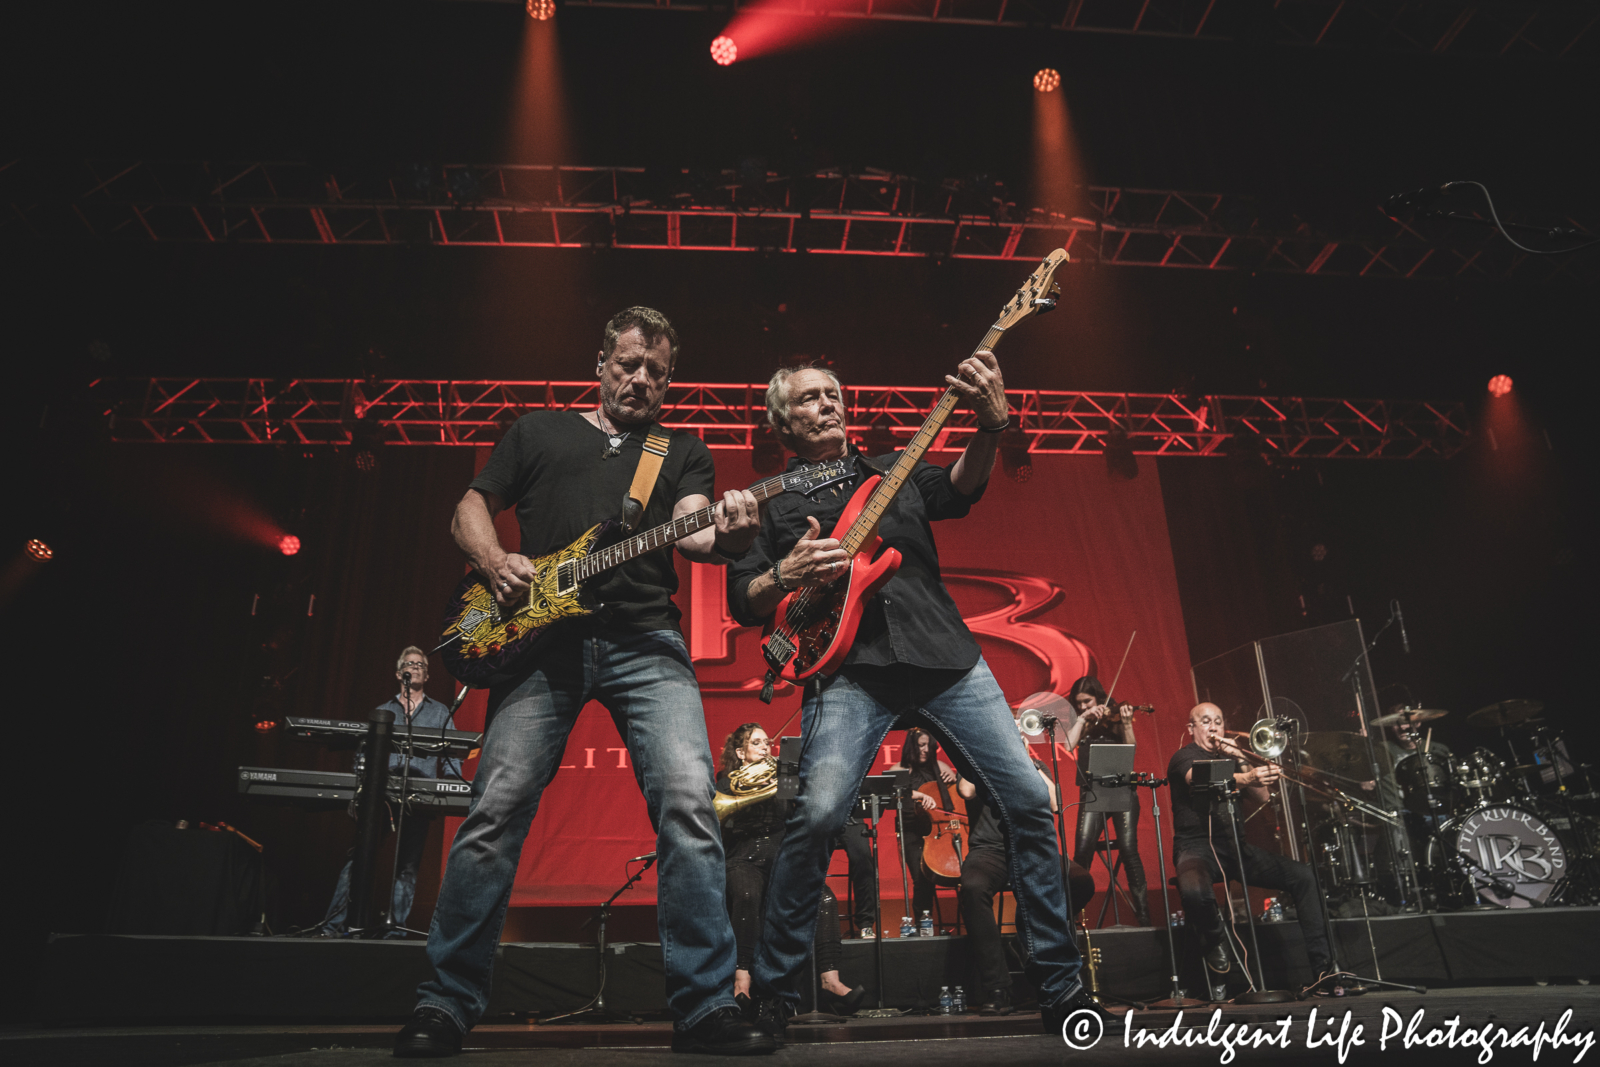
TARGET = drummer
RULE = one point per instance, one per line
(1402, 739)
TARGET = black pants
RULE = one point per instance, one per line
(984, 873)
(747, 890)
(1198, 872)
(1091, 824)
(863, 887)
(921, 881)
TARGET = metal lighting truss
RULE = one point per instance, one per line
(320, 412)
(1552, 30)
(831, 212)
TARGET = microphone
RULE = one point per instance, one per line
(405, 677)
(1413, 203)
(646, 856)
(1405, 642)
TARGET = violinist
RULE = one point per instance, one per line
(920, 756)
(1097, 722)
(984, 872)
(750, 840)
(1202, 846)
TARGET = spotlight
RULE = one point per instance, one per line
(724, 51)
(543, 10)
(266, 726)
(288, 544)
(1047, 80)
(1120, 460)
(39, 550)
(1500, 385)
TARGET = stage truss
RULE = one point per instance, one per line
(866, 213)
(312, 413)
(1498, 28)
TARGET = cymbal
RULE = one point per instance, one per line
(1505, 713)
(1408, 715)
(1337, 753)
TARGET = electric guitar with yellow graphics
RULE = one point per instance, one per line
(483, 643)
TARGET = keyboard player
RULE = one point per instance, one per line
(411, 705)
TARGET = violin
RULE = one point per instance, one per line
(946, 844)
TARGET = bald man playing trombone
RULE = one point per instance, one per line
(1201, 840)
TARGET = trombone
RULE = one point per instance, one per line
(1268, 740)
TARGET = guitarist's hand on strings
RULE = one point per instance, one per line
(509, 576)
(978, 380)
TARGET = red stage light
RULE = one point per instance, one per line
(289, 544)
(1047, 80)
(1500, 385)
(543, 10)
(724, 51)
(266, 726)
(39, 550)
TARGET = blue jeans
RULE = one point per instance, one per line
(647, 683)
(413, 840)
(844, 720)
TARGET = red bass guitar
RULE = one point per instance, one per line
(813, 628)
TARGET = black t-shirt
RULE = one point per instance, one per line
(1190, 810)
(548, 466)
(984, 826)
(912, 619)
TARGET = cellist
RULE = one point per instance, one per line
(920, 756)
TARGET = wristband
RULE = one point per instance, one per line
(997, 429)
(777, 578)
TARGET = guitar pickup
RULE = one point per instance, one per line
(566, 578)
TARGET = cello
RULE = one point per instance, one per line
(946, 844)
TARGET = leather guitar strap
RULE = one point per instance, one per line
(656, 443)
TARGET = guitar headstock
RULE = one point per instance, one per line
(1037, 295)
(810, 479)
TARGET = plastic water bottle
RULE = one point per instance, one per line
(925, 924)
(959, 1002)
(1177, 918)
(944, 1000)
(907, 927)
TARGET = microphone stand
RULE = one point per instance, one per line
(1176, 999)
(597, 1004)
(1228, 800)
(389, 925)
(1049, 722)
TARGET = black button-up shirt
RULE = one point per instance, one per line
(912, 619)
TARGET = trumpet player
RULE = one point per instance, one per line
(750, 839)
(1202, 845)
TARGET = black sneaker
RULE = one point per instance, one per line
(1052, 1017)
(429, 1032)
(1216, 957)
(726, 1033)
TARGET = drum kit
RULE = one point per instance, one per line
(1487, 830)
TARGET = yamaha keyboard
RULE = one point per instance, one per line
(346, 732)
(335, 789)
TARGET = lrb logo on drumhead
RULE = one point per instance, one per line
(1513, 857)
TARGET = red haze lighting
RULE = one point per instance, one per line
(543, 10)
(289, 544)
(1500, 385)
(724, 51)
(39, 550)
(1047, 80)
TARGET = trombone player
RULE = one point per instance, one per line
(1202, 846)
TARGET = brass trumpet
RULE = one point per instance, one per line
(751, 784)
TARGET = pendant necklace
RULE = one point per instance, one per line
(613, 440)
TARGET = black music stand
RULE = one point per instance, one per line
(597, 1008)
(1108, 770)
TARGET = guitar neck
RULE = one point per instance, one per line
(665, 534)
(910, 456)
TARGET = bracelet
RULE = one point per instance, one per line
(777, 578)
(997, 429)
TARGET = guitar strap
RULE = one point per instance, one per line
(637, 498)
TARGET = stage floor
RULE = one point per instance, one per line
(920, 1040)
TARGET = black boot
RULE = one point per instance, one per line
(430, 1033)
(1054, 1016)
(724, 1032)
(999, 1003)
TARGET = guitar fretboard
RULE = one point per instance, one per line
(665, 534)
(910, 456)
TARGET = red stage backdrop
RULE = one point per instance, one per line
(1053, 575)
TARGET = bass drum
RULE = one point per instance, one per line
(1511, 856)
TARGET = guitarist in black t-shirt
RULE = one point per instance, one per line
(565, 471)
(1202, 841)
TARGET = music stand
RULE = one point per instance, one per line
(1107, 771)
